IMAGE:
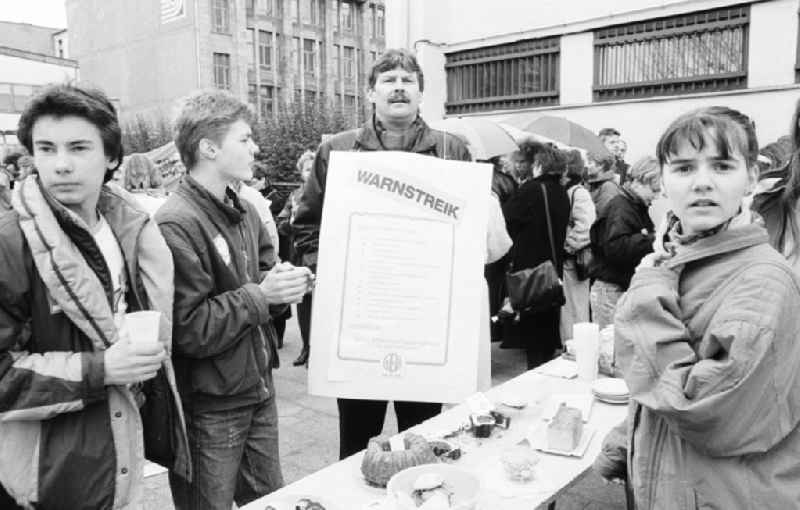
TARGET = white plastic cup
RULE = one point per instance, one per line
(142, 328)
(586, 337)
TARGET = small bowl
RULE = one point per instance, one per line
(465, 485)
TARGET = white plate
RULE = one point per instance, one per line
(538, 440)
(614, 400)
(581, 402)
(610, 387)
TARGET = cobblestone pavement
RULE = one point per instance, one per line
(310, 424)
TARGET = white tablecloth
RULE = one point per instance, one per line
(342, 486)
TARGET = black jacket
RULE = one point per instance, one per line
(527, 222)
(224, 341)
(621, 236)
(309, 209)
(503, 185)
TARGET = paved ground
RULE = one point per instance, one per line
(310, 424)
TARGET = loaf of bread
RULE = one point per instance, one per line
(380, 463)
(565, 429)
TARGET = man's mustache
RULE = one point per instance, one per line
(399, 96)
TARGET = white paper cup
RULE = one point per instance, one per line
(142, 328)
(586, 338)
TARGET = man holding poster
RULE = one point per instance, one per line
(395, 90)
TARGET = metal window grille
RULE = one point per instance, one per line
(221, 16)
(514, 75)
(222, 71)
(696, 52)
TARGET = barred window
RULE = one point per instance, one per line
(701, 51)
(221, 16)
(222, 71)
(380, 24)
(514, 75)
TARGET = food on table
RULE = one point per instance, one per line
(444, 450)
(482, 425)
(518, 464)
(380, 463)
(431, 492)
(307, 504)
(301, 504)
(565, 429)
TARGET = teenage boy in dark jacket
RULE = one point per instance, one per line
(621, 236)
(395, 90)
(75, 256)
(225, 282)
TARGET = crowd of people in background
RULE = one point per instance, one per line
(703, 301)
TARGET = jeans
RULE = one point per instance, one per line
(234, 457)
(604, 297)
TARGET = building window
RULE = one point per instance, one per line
(222, 71)
(310, 97)
(310, 57)
(221, 16)
(251, 49)
(264, 50)
(309, 11)
(250, 8)
(294, 11)
(380, 24)
(348, 63)
(337, 63)
(345, 16)
(61, 48)
(349, 105)
(514, 75)
(266, 7)
(252, 94)
(6, 98)
(695, 52)
(266, 101)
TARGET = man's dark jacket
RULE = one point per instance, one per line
(224, 341)
(309, 211)
(622, 235)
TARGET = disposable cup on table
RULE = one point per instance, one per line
(586, 337)
(142, 328)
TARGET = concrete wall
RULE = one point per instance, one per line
(124, 48)
(27, 37)
(769, 99)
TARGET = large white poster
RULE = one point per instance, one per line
(400, 309)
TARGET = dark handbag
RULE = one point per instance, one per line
(159, 418)
(583, 258)
(539, 288)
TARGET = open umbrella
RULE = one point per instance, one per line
(561, 130)
(485, 138)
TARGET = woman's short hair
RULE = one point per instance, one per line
(575, 170)
(141, 173)
(646, 170)
(207, 114)
(75, 100)
(728, 130)
(393, 58)
(304, 159)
